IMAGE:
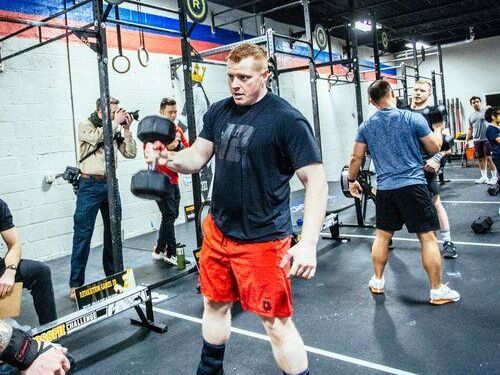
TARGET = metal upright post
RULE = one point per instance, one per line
(376, 52)
(188, 92)
(274, 82)
(440, 59)
(312, 74)
(415, 59)
(434, 89)
(355, 70)
(404, 82)
(109, 152)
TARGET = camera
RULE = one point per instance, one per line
(72, 175)
(135, 116)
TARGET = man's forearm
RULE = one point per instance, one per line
(13, 255)
(5, 335)
(354, 167)
(314, 210)
(185, 162)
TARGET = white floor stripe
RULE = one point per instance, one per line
(461, 179)
(310, 349)
(471, 202)
(414, 239)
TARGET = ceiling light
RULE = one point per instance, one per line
(419, 45)
(365, 26)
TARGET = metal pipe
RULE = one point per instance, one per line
(287, 37)
(376, 53)
(404, 82)
(271, 52)
(312, 75)
(434, 90)
(228, 47)
(109, 150)
(45, 24)
(441, 72)
(5, 58)
(190, 114)
(318, 65)
(357, 78)
(144, 27)
(415, 58)
(46, 19)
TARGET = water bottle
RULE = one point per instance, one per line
(181, 257)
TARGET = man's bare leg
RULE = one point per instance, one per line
(288, 347)
(431, 258)
(216, 328)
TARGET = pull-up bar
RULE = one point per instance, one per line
(55, 15)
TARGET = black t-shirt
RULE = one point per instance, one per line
(257, 149)
(5, 217)
(425, 154)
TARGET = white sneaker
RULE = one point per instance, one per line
(171, 260)
(443, 295)
(492, 181)
(376, 285)
(157, 256)
(482, 180)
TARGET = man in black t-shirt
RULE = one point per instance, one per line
(34, 275)
(433, 163)
(258, 141)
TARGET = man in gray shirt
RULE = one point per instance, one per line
(482, 150)
(393, 137)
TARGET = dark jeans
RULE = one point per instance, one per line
(36, 277)
(169, 209)
(92, 197)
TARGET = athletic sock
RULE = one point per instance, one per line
(494, 175)
(212, 357)
(305, 372)
(445, 235)
(484, 173)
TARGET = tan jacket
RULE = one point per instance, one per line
(89, 136)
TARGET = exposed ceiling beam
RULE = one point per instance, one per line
(422, 10)
(357, 10)
(462, 25)
(409, 26)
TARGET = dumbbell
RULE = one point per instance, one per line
(436, 114)
(149, 184)
(493, 190)
(482, 224)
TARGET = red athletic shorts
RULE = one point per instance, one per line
(248, 272)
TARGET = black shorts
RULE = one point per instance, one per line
(410, 205)
(482, 149)
(432, 183)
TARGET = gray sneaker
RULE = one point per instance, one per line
(449, 250)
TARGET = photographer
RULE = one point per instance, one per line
(92, 193)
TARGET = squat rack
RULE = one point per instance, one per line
(269, 39)
(93, 35)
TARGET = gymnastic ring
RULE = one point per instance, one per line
(142, 53)
(113, 63)
(332, 79)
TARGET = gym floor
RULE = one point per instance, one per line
(345, 328)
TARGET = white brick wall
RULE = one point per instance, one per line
(38, 136)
